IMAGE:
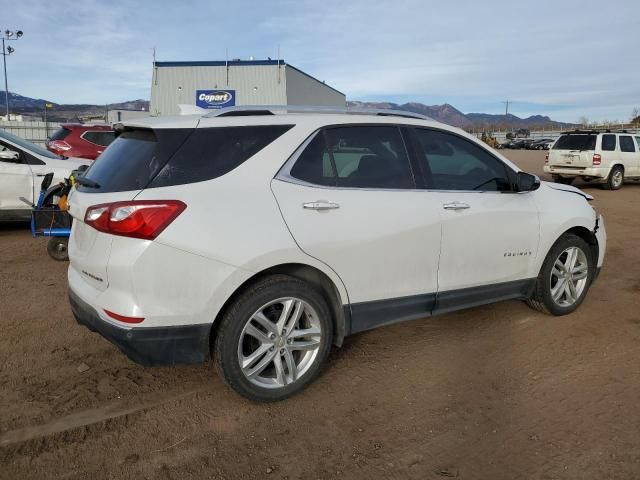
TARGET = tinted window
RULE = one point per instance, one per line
(357, 157)
(580, 141)
(27, 145)
(627, 144)
(60, 134)
(608, 142)
(211, 152)
(99, 138)
(314, 163)
(451, 162)
(133, 159)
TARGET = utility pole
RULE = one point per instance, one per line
(8, 35)
(506, 107)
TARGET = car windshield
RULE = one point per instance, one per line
(576, 142)
(27, 145)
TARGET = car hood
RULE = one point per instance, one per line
(568, 188)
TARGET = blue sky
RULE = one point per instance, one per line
(561, 58)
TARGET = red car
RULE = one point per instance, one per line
(80, 140)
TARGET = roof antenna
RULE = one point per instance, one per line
(155, 69)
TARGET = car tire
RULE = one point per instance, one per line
(57, 248)
(549, 295)
(615, 180)
(255, 323)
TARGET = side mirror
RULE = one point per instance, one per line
(9, 155)
(525, 182)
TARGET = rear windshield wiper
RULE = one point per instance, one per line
(86, 182)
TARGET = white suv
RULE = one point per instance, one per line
(263, 236)
(607, 158)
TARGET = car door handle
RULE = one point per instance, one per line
(320, 205)
(40, 174)
(456, 206)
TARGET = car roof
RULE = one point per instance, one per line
(86, 126)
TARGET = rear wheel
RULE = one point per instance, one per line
(57, 248)
(273, 339)
(565, 277)
(615, 179)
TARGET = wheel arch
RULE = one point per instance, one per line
(588, 236)
(313, 276)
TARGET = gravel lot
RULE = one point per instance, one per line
(494, 392)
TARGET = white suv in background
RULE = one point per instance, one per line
(263, 235)
(608, 158)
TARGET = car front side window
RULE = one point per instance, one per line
(451, 162)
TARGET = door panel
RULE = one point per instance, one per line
(490, 234)
(495, 240)
(382, 243)
(16, 181)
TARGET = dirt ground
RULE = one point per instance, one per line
(495, 392)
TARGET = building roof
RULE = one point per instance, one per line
(240, 63)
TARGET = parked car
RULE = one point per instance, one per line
(265, 235)
(608, 158)
(539, 144)
(22, 166)
(81, 140)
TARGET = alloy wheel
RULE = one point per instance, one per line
(569, 276)
(279, 342)
(617, 178)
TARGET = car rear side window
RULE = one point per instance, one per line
(608, 142)
(580, 141)
(100, 138)
(60, 134)
(133, 159)
(627, 144)
(357, 157)
(451, 162)
(212, 152)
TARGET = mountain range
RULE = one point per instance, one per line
(443, 113)
(452, 116)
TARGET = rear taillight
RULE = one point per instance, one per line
(58, 146)
(144, 219)
(597, 159)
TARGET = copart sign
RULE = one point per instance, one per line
(215, 98)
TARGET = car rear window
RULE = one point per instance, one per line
(60, 134)
(139, 159)
(576, 142)
(133, 159)
(212, 152)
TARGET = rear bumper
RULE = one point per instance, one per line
(151, 345)
(590, 172)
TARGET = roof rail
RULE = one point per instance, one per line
(249, 110)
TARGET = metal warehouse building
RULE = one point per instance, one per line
(220, 84)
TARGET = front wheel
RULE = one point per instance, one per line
(273, 339)
(565, 277)
(57, 248)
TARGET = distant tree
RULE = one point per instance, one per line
(584, 121)
(635, 116)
